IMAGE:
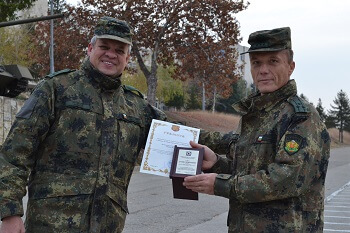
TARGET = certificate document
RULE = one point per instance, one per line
(159, 149)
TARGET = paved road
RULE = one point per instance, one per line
(337, 205)
(152, 208)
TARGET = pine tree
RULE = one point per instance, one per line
(320, 110)
(193, 100)
(340, 112)
(305, 98)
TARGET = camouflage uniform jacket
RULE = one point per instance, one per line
(274, 174)
(77, 139)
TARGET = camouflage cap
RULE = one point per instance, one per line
(114, 29)
(270, 40)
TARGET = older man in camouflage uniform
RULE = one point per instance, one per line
(275, 172)
(76, 139)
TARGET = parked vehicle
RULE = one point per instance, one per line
(14, 78)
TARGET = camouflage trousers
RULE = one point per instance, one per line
(299, 222)
(74, 214)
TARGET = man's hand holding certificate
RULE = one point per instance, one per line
(168, 153)
(162, 138)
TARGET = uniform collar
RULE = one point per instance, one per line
(256, 101)
(98, 79)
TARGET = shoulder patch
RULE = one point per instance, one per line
(293, 143)
(133, 90)
(58, 73)
(298, 104)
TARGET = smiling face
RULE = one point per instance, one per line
(110, 57)
(270, 70)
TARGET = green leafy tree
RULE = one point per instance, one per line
(176, 100)
(239, 91)
(170, 91)
(8, 8)
(320, 110)
(135, 79)
(16, 46)
(340, 112)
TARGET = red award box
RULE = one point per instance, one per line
(186, 162)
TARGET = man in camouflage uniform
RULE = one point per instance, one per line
(275, 172)
(75, 142)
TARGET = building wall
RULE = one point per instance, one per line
(39, 8)
(244, 59)
(8, 110)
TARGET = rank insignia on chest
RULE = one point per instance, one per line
(292, 143)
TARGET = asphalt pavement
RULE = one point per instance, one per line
(153, 210)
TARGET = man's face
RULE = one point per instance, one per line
(110, 57)
(270, 70)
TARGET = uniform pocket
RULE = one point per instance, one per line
(59, 203)
(65, 214)
(47, 185)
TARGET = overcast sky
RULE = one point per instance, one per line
(320, 40)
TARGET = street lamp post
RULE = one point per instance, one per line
(52, 63)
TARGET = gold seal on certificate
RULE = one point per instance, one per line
(186, 162)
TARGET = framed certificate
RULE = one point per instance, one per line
(186, 162)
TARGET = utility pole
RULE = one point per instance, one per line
(52, 63)
(203, 96)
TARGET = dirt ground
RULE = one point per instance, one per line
(334, 133)
(206, 120)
